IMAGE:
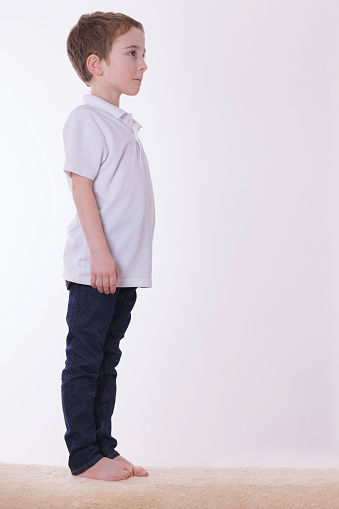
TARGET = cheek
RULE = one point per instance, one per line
(130, 64)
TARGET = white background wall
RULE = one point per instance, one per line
(232, 359)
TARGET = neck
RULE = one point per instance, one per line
(109, 96)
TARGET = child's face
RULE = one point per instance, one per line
(125, 71)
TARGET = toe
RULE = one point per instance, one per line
(140, 472)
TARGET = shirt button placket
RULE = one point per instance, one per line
(135, 130)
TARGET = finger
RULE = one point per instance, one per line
(93, 281)
(112, 284)
(99, 284)
(105, 284)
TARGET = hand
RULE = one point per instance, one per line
(104, 273)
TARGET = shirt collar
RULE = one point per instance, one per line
(117, 112)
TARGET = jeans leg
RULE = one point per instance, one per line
(89, 317)
(106, 394)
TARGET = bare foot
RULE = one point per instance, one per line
(108, 470)
(137, 471)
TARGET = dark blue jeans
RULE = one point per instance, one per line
(97, 322)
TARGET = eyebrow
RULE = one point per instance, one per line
(133, 46)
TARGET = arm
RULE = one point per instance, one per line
(104, 271)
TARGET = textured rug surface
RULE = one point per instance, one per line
(48, 487)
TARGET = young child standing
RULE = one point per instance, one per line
(108, 252)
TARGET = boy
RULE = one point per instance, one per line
(108, 252)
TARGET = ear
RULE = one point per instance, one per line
(93, 64)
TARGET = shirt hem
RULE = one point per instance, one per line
(121, 283)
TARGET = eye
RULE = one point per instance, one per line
(134, 52)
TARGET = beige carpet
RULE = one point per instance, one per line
(49, 487)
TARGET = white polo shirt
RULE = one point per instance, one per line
(101, 143)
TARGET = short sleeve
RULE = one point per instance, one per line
(84, 146)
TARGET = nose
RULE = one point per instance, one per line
(143, 64)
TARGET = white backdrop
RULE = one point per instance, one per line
(231, 359)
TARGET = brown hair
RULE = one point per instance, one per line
(95, 33)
